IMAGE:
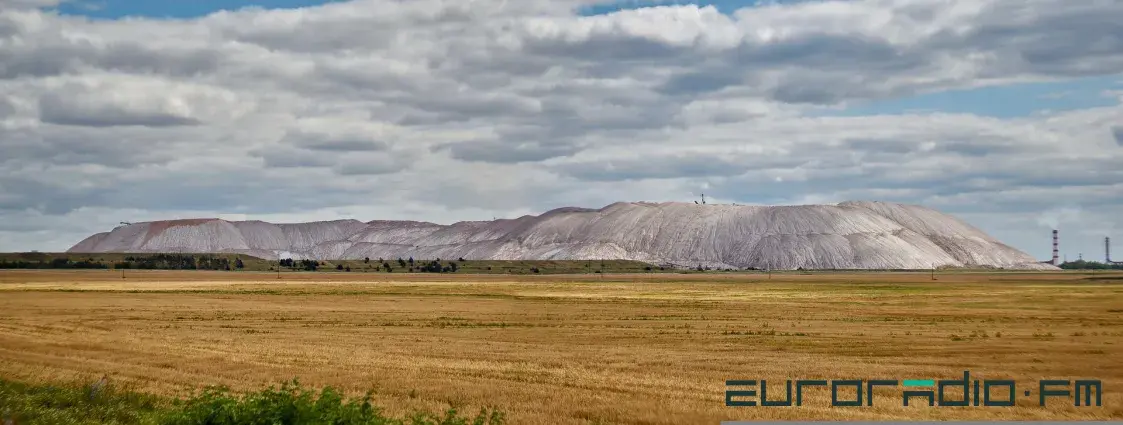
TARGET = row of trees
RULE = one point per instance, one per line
(412, 265)
(179, 262)
(149, 262)
(409, 262)
(57, 263)
(306, 265)
(1090, 265)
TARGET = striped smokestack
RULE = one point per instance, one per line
(1056, 252)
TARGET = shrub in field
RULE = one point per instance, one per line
(290, 404)
(75, 404)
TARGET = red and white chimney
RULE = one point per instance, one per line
(1056, 252)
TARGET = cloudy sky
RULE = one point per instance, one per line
(1006, 113)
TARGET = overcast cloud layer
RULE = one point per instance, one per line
(472, 109)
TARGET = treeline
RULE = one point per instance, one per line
(179, 262)
(148, 262)
(306, 265)
(412, 266)
(1090, 265)
(432, 266)
(57, 263)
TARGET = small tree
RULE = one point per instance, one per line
(339, 267)
(411, 261)
(348, 268)
(366, 260)
(310, 265)
(401, 262)
(239, 264)
(453, 266)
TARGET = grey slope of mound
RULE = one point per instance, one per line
(850, 235)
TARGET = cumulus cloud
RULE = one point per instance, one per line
(136, 101)
(333, 143)
(6, 107)
(29, 4)
(469, 110)
(495, 151)
(57, 109)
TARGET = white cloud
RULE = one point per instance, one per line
(448, 110)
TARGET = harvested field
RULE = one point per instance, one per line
(574, 349)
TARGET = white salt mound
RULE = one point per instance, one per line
(850, 235)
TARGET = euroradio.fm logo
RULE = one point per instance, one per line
(987, 392)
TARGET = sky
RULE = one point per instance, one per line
(1004, 113)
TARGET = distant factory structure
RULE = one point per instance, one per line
(1056, 251)
(1056, 261)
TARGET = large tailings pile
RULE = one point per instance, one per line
(850, 235)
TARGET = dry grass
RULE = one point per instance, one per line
(629, 349)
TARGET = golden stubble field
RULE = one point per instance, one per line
(628, 349)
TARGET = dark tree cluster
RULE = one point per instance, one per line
(177, 262)
(207, 262)
(145, 262)
(57, 263)
(1090, 265)
(436, 267)
(306, 265)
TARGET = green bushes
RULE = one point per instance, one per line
(306, 265)
(174, 262)
(75, 404)
(1090, 265)
(290, 404)
(57, 263)
(436, 267)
